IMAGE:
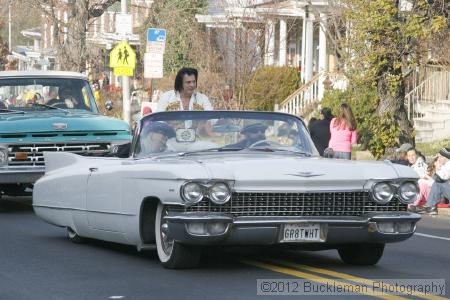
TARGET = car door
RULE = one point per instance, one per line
(104, 193)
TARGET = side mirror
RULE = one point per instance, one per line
(108, 105)
(121, 151)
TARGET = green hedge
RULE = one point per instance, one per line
(270, 85)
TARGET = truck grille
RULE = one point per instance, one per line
(35, 156)
(297, 204)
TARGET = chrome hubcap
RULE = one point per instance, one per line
(166, 241)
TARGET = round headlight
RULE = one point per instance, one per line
(219, 193)
(408, 192)
(382, 192)
(192, 192)
(3, 157)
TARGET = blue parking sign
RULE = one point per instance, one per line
(156, 35)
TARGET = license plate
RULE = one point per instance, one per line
(302, 233)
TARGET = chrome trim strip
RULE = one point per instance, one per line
(84, 210)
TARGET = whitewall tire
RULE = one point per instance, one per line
(172, 254)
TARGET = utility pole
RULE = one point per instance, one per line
(9, 26)
(126, 105)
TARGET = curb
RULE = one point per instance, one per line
(444, 211)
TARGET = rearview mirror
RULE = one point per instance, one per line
(185, 135)
(108, 105)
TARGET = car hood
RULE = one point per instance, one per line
(272, 172)
(44, 122)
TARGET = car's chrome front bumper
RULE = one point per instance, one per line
(268, 230)
(20, 174)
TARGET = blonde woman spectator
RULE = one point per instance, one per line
(343, 132)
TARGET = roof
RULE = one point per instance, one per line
(60, 74)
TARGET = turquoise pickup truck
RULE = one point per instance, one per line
(49, 111)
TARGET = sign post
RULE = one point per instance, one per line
(154, 54)
(123, 26)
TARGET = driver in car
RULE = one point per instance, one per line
(154, 137)
(253, 134)
(65, 98)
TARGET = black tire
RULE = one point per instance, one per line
(172, 254)
(361, 254)
(15, 190)
(74, 237)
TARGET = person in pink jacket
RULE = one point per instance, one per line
(343, 132)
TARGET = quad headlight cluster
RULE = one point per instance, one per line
(193, 192)
(384, 191)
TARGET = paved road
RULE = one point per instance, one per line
(37, 261)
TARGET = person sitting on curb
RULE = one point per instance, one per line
(441, 187)
(401, 154)
(425, 184)
(416, 162)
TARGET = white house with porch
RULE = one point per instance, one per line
(295, 34)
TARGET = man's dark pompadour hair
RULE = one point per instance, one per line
(179, 79)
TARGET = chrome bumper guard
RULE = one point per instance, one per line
(213, 228)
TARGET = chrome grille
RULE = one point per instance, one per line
(35, 155)
(297, 204)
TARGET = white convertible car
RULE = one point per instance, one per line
(196, 178)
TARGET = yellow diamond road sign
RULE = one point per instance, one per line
(122, 56)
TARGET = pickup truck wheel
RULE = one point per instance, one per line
(361, 254)
(74, 237)
(172, 254)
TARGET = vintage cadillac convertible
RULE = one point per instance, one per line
(197, 178)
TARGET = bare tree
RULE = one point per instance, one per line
(3, 52)
(69, 35)
(242, 41)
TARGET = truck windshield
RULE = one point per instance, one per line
(40, 94)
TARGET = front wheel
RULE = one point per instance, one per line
(361, 254)
(172, 254)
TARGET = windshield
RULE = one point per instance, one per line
(44, 94)
(198, 131)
